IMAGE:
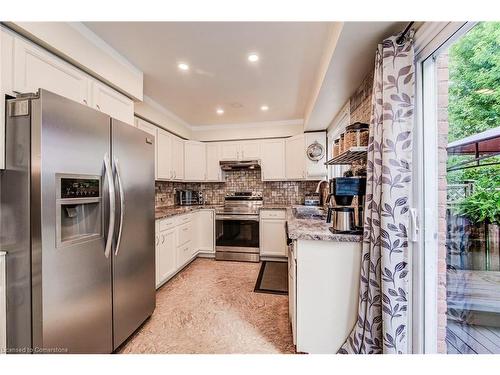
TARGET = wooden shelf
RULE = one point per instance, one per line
(349, 156)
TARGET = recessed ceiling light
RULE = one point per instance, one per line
(220, 111)
(264, 108)
(183, 66)
(253, 57)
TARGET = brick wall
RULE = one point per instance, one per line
(442, 78)
(280, 192)
(360, 102)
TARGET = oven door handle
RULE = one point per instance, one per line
(238, 217)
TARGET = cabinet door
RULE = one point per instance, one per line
(167, 263)
(250, 150)
(6, 82)
(177, 157)
(273, 238)
(214, 173)
(151, 129)
(315, 169)
(184, 253)
(164, 155)
(157, 255)
(295, 158)
(111, 102)
(195, 165)
(229, 151)
(36, 68)
(273, 159)
(205, 231)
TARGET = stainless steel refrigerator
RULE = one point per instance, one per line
(77, 222)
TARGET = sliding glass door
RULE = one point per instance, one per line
(459, 157)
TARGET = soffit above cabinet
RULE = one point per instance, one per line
(77, 44)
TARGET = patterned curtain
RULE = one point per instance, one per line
(383, 297)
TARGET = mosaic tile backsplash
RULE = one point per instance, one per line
(279, 192)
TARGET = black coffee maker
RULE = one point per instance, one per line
(345, 216)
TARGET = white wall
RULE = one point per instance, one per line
(159, 115)
(269, 129)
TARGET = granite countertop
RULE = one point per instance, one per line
(314, 228)
(169, 211)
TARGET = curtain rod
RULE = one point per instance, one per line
(402, 37)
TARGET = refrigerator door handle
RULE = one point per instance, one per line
(112, 208)
(122, 205)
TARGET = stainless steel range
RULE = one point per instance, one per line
(237, 227)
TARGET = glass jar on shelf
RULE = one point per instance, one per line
(356, 135)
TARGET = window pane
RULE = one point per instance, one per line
(468, 79)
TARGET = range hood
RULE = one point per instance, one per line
(239, 164)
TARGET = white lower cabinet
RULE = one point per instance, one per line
(204, 232)
(167, 257)
(292, 292)
(273, 233)
(179, 239)
(3, 303)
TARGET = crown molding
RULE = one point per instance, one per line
(247, 125)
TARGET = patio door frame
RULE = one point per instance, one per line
(430, 40)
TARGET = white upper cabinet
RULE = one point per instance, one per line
(229, 150)
(295, 158)
(153, 130)
(315, 169)
(177, 155)
(273, 159)
(240, 150)
(214, 172)
(195, 166)
(164, 155)
(36, 68)
(111, 102)
(249, 150)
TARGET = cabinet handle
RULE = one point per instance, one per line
(163, 238)
(99, 108)
(157, 240)
(85, 101)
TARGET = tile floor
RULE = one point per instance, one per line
(210, 308)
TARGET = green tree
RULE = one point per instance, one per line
(474, 95)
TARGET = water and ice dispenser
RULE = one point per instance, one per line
(78, 209)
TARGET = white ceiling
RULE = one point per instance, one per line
(220, 75)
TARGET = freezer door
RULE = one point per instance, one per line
(134, 250)
(71, 274)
